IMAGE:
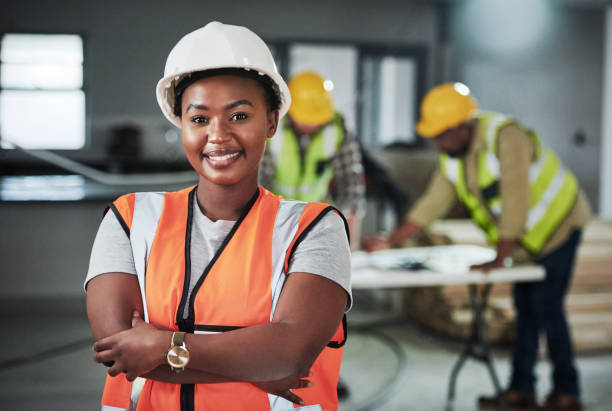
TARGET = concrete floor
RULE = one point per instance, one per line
(62, 375)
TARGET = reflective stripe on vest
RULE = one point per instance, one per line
(142, 233)
(240, 287)
(306, 180)
(105, 408)
(552, 188)
(490, 124)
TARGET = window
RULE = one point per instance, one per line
(42, 102)
(389, 99)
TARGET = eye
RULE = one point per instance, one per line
(199, 119)
(239, 116)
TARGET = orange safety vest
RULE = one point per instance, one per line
(239, 288)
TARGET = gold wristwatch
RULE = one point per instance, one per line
(178, 354)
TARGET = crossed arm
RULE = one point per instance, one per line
(275, 356)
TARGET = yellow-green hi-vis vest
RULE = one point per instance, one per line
(552, 188)
(306, 180)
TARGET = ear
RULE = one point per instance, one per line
(272, 123)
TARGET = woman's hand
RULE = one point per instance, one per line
(135, 351)
(282, 388)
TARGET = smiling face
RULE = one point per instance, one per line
(225, 122)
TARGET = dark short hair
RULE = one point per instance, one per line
(269, 87)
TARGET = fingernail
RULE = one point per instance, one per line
(309, 374)
(309, 384)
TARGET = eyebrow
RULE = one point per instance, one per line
(238, 103)
(196, 106)
(227, 107)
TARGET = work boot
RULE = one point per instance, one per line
(514, 400)
(562, 402)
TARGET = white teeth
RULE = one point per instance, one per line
(223, 157)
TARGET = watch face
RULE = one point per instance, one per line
(178, 357)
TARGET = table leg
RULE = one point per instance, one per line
(477, 346)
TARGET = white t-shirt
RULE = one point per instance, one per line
(324, 250)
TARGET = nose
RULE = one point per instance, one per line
(217, 131)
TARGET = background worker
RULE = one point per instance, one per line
(312, 157)
(528, 205)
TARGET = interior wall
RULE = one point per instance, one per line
(549, 75)
(45, 246)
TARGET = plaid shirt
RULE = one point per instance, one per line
(347, 188)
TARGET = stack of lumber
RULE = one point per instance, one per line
(446, 310)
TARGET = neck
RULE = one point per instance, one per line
(224, 202)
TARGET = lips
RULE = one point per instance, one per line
(221, 158)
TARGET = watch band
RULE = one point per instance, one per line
(178, 338)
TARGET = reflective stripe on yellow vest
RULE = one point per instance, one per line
(552, 188)
(306, 180)
(227, 296)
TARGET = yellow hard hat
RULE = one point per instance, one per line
(311, 101)
(443, 107)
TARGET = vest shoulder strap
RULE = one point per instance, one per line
(313, 213)
(123, 208)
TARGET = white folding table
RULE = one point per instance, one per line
(438, 266)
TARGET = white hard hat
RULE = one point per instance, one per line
(216, 46)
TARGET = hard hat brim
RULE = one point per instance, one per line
(428, 130)
(166, 102)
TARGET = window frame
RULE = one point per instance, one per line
(14, 162)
